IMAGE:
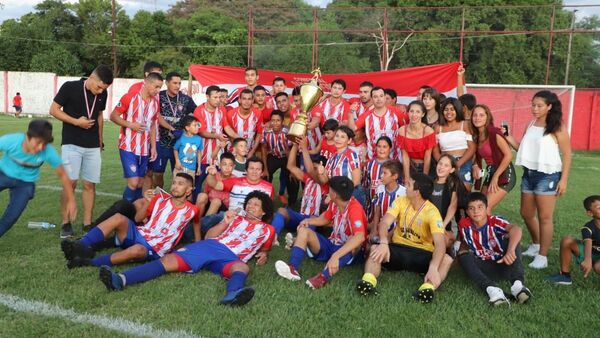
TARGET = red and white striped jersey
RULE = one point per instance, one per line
(362, 109)
(240, 187)
(337, 112)
(342, 164)
(246, 127)
(327, 150)
(166, 222)
(377, 126)
(276, 142)
(346, 222)
(134, 109)
(384, 199)
(312, 196)
(212, 122)
(371, 177)
(245, 238)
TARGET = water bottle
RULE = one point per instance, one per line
(40, 225)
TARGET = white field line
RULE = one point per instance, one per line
(57, 188)
(109, 323)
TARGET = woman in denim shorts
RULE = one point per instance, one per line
(545, 173)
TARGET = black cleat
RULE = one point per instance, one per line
(239, 297)
(78, 262)
(67, 248)
(66, 231)
(366, 288)
(110, 279)
(82, 251)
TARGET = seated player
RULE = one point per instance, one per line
(348, 220)
(385, 195)
(168, 216)
(490, 251)
(24, 154)
(217, 200)
(313, 195)
(231, 245)
(585, 252)
(417, 245)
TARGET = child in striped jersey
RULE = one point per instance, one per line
(489, 251)
(385, 195)
(372, 171)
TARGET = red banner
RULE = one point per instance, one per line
(406, 82)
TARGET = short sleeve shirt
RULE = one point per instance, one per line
(488, 242)
(346, 223)
(73, 101)
(591, 231)
(23, 166)
(188, 148)
(240, 187)
(172, 110)
(415, 228)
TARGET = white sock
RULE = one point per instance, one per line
(534, 246)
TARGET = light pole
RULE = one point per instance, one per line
(569, 48)
(114, 37)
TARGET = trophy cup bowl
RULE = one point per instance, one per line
(310, 94)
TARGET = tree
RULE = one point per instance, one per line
(56, 60)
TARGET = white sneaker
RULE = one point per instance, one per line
(539, 262)
(520, 292)
(287, 271)
(497, 296)
(532, 250)
(276, 241)
(289, 240)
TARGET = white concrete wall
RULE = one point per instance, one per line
(38, 91)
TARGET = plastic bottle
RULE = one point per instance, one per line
(40, 225)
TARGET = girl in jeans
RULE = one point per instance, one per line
(545, 173)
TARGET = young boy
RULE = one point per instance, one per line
(385, 195)
(585, 252)
(188, 148)
(217, 200)
(240, 150)
(327, 148)
(490, 251)
(231, 244)
(24, 154)
(275, 149)
(348, 220)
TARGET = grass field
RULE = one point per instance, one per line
(32, 268)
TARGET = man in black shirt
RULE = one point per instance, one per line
(80, 105)
(174, 105)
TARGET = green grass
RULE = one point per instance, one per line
(32, 267)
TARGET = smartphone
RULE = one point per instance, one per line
(504, 126)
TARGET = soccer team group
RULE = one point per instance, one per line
(399, 187)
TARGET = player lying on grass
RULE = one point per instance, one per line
(24, 154)
(490, 251)
(347, 217)
(584, 252)
(229, 246)
(167, 216)
(418, 241)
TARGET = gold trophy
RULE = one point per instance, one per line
(310, 94)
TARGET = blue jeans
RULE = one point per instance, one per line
(359, 194)
(20, 194)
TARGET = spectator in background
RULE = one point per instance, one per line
(80, 106)
(18, 104)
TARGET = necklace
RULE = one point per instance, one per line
(90, 112)
(413, 218)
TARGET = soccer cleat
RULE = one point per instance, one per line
(317, 281)
(78, 262)
(366, 288)
(560, 279)
(539, 262)
(289, 241)
(82, 251)
(532, 250)
(238, 297)
(67, 248)
(287, 271)
(424, 294)
(520, 293)
(497, 297)
(66, 231)
(111, 280)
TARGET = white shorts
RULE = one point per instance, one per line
(86, 161)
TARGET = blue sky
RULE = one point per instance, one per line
(16, 8)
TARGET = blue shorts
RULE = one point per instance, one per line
(133, 165)
(208, 254)
(539, 183)
(327, 249)
(465, 171)
(165, 155)
(134, 237)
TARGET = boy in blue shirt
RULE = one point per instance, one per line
(24, 154)
(188, 148)
(585, 252)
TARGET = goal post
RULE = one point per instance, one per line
(512, 103)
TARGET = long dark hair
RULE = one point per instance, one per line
(554, 117)
(423, 109)
(455, 103)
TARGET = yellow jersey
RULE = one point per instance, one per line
(415, 228)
